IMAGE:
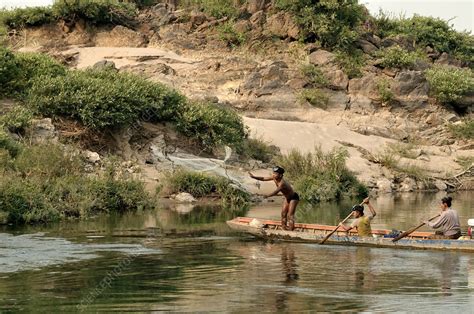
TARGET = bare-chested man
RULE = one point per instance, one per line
(291, 197)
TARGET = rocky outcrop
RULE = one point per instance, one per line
(120, 36)
(282, 25)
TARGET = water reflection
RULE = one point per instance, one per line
(194, 262)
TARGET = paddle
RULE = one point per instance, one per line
(342, 222)
(409, 231)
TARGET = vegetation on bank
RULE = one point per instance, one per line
(449, 84)
(200, 185)
(106, 99)
(463, 130)
(320, 176)
(47, 182)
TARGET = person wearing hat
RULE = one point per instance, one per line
(291, 197)
(361, 222)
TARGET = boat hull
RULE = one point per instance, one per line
(269, 229)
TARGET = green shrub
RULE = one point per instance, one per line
(450, 84)
(315, 76)
(351, 62)
(92, 11)
(384, 90)
(258, 149)
(390, 159)
(464, 130)
(8, 70)
(466, 162)
(315, 97)
(216, 8)
(320, 176)
(201, 185)
(397, 57)
(333, 23)
(428, 31)
(16, 120)
(211, 125)
(47, 182)
(228, 34)
(103, 98)
(8, 144)
(32, 16)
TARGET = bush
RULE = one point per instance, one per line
(315, 97)
(465, 130)
(16, 120)
(47, 182)
(201, 185)
(351, 62)
(8, 70)
(258, 149)
(8, 144)
(228, 34)
(450, 84)
(92, 11)
(211, 125)
(384, 90)
(216, 8)
(31, 16)
(320, 176)
(103, 99)
(314, 75)
(333, 23)
(397, 57)
(428, 31)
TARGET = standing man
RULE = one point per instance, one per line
(362, 223)
(291, 197)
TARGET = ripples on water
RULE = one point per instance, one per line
(194, 263)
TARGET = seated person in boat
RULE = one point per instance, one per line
(362, 223)
(448, 222)
(291, 197)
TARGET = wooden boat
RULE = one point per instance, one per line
(271, 229)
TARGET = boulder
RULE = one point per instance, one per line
(282, 25)
(337, 79)
(120, 36)
(257, 19)
(440, 185)
(446, 59)
(337, 100)
(242, 26)
(408, 185)
(42, 130)
(384, 186)
(321, 57)
(366, 46)
(104, 64)
(91, 157)
(254, 6)
(184, 198)
(410, 87)
(365, 86)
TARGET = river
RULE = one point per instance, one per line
(180, 258)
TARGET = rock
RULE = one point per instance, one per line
(254, 6)
(92, 157)
(242, 26)
(337, 100)
(120, 36)
(184, 197)
(465, 102)
(198, 18)
(297, 83)
(337, 79)
(366, 46)
(410, 88)
(432, 119)
(282, 25)
(451, 117)
(408, 185)
(384, 186)
(360, 104)
(104, 64)
(42, 130)
(164, 69)
(440, 185)
(365, 86)
(257, 19)
(253, 81)
(321, 57)
(446, 59)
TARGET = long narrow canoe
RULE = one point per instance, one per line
(271, 229)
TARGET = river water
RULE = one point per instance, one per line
(186, 259)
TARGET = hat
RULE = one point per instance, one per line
(278, 169)
(358, 208)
